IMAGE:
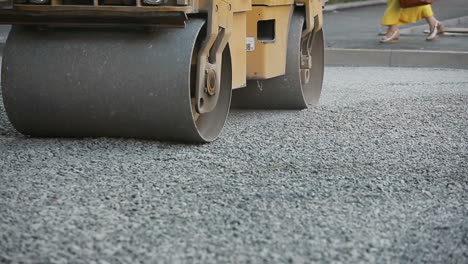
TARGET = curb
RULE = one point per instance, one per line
(396, 58)
(331, 8)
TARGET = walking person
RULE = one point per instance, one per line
(395, 16)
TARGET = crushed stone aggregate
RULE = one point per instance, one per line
(377, 173)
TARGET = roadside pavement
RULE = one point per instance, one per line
(352, 38)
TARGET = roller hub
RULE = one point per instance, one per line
(211, 82)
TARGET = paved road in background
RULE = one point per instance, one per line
(358, 28)
(377, 173)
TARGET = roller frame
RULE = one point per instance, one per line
(219, 15)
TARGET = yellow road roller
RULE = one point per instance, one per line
(156, 69)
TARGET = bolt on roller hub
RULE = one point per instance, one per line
(211, 82)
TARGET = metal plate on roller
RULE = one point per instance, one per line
(103, 82)
(287, 91)
(82, 15)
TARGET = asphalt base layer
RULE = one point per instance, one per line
(377, 173)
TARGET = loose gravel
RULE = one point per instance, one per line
(377, 173)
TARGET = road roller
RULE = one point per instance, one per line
(156, 69)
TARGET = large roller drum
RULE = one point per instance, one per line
(82, 82)
(301, 86)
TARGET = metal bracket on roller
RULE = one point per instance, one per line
(306, 58)
(218, 32)
(308, 35)
(312, 8)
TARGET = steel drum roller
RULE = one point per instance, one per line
(82, 82)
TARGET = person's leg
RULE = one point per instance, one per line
(391, 19)
(392, 35)
(391, 30)
(436, 29)
(432, 21)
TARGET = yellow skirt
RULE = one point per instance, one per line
(395, 15)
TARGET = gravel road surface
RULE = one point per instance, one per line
(377, 173)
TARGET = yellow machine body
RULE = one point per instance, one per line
(252, 58)
(256, 33)
(267, 52)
